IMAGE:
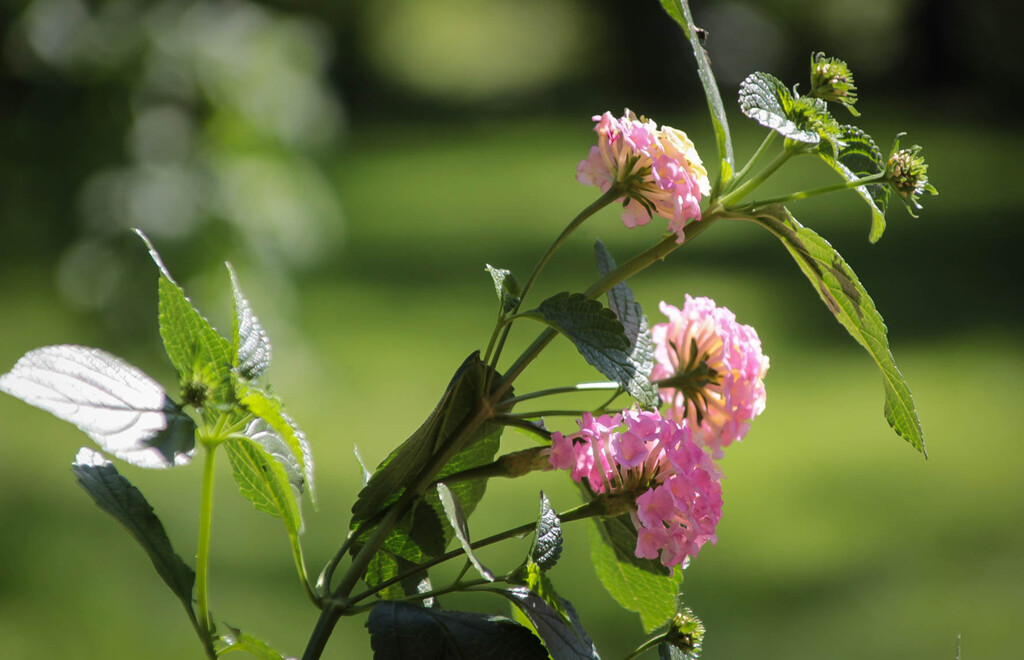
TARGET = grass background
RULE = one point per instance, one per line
(838, 541)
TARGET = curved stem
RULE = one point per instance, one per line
(203, 550)
(770, 168)
(763, 149)
(569, 389)
(300, 567)
(649, 644)
(803, 194)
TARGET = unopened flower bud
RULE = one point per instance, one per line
(907, 174)
(686, 633)
(832, 80)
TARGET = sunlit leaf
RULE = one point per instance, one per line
(859, 157)
(264, 479)
(236, 640)
(116, 404)
(767, 101)
(547, 544)
(507, 288)
(268, 407)
(250, 344)
(460, 525)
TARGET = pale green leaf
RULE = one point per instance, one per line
(250, 344)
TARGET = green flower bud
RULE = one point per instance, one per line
(832, 80)
(686, 633)
(907, 174)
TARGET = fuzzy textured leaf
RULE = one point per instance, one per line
(638, 332)
(652, 595)
(401, 631)
(236, 640)
(265, 481)
(115, 495)
(767, 101)
(116, 404)
(460, 526)
(250, 344)
(547, 544)
(564, 639)
(859, 157)
(507, 288)
(847, 299)
(268, 407)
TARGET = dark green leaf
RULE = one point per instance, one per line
(236, 640)
(634, 322)
(400, 631)
(265, 481)
(115, 495)
(652, 595)
(767, 101)
(564, 639)
(460, 525)
(847, 299)
(679, 10)
(859, 157)
(507, 288)
(270, 408)
(200, 355)
(250, 344)
(547, 544)
(116, 404)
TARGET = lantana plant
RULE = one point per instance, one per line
(682, 389)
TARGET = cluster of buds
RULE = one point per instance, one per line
(658, 170)
(832, 80)
(907, 174)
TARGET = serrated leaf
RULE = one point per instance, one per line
(767, 101)
(401, 631)
(200, 355)
(850, 303)
(115, 495)
(859, 157)
(116, 404)
(547, 544)
(265, 482)
(457, 519)
(250, 345)
(507, 288)
(651, 595)
(565, 639)
(598, 336)
(270, 408)
(236, 640)
(638, 332)
(679, 10)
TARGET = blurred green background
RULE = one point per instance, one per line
(360, 162)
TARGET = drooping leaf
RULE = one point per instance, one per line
(116, 404)
(268, 407)
(507, 288)
(460, 526)
(401, 631)
(547, 544)
(236, 640)
(850, 303)
(598, 336)
(679, 10)
(634, 322)
(265, 481)
(859, 157)
(115, 495)
(250, 344)
(564, 636)
(201, 356)
(652, 595)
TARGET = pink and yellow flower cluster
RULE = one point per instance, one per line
(658, 169)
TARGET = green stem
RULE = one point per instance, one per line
(569, 389)
(803, 194)
(300, 567)
(754, 182)
(763, 149)
(649, 644)
(203, 550)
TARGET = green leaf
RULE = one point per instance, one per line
(847, 299)
(268, 407)
(598, 336)
(649, 594)
(116, 404)
(507, 288)
(564, 636)
(460, 525)
(401, 631)
(264, 480)
(236, 640)
(767, 101)
(679, 10)
(547, 544)
(634, 323)
(200, 355)
(115, 495)
(250, 345)
(859, 157)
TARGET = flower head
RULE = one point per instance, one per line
(676, 485)
(711, 371)
(659, 170)
(907, 174)
(832, 80)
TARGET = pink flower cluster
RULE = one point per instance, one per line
(680, 494)
(712, 371)
(660, 169)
